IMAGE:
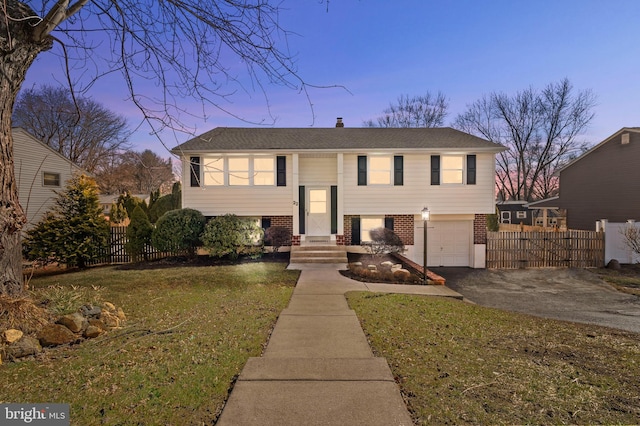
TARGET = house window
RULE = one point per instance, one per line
(213, 171)
(380, 170)
(263, 171)
(369, 223)
(50, 179)
(452, 169)
(238, 171)
(521, 215)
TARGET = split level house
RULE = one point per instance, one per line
(39, 171)
(602, 183)
(336, 184)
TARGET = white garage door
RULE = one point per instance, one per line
(449, 242)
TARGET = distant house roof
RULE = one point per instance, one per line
(547, 203)
(594, 148)
(224, 139)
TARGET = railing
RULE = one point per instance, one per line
(566, 249)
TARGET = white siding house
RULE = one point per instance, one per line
(341, 182)
(39, 171)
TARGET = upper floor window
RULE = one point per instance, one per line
(50, 179)
(452, 169)
(213, 171)
(263, 171)
(238, 171)
(380, 170)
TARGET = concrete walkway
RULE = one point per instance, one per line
(318, 368)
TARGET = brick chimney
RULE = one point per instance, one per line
(339, 123)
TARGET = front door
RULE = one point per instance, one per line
(318, 212)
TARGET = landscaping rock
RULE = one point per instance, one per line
(56, 334)
(90, 311)
(97, 323)
(26, 346)
(120, 314)
(109, 319)
(387, 263)
(356, 263)
(74, 322)
(372, 267)
(11, 335)
(92, 332)
(402, 274)
(109, 306)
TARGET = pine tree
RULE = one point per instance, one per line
(74, 232)
(138, 234)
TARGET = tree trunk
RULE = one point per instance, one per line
(17, 53)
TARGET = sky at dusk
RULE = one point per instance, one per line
(380, 49)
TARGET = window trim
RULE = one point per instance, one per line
(56, 178)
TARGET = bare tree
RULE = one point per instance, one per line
(427, 110)
(188, 48)
(81, 129)
(137, 173)
(541, 130)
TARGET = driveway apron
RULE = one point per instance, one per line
(318, 368)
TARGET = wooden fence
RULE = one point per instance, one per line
(566, 249)
(117, 254)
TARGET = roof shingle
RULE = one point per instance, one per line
(223, 139)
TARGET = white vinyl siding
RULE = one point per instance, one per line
(416, 192)
(318, 170)
(35, 165)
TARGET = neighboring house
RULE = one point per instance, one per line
(528, 213)
(39, 172)
(514, 212)
(338, 183)
(603, 183)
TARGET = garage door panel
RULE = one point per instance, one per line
(449, 243)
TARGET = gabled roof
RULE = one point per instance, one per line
(225, 139)
(594, 148)
(49, 149)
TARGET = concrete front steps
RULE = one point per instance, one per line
(321, 252)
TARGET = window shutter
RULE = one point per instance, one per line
(334, 209)
(266, 223)
(398, 170)
(388, 223)
(302, 212)
(355, 231)
(281, 173)
(194, 167)
(362, 170)
(435, 170)
(471, 169)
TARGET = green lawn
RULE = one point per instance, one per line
(459, 363)
(189, 333)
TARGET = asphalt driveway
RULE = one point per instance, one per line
(566, 294)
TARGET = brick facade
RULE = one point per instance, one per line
(480, 229)
(285, 222)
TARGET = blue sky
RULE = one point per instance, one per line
(380, 49)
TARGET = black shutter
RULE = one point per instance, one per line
(281, 173)
(362, 170)
(355, 231)
(266, 223)
(471, 169)
(334, 209)
(388, 223)
(398, 170)
(301, 208)
(194, 167)
(435, 170)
